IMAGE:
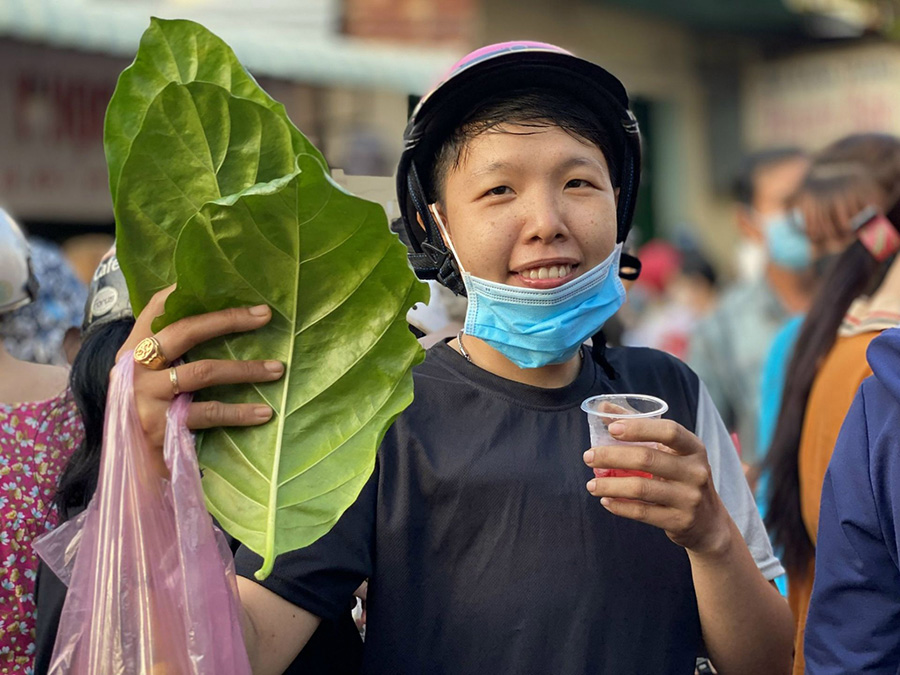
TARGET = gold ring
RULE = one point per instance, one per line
(149, 354)
(173, 378)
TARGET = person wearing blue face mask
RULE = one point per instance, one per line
(850, 204)
(489, 545)
(729, 347)
(786, 240)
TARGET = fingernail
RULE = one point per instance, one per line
(616, 428)
(259, 310)
(591, 485)
(262, 412)
(606, 501)
(588, 456)
(274, 366)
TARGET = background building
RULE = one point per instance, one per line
(710, 80)
(59, 61)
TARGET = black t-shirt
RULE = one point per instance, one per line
(485, 552)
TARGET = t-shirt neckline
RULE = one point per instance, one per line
(523, 394)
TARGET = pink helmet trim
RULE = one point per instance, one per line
(489, 52)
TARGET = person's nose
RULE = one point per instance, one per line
(545, 219)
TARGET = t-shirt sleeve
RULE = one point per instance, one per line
(703, 358)
(732, 486)
(855, 605)
(321, 577)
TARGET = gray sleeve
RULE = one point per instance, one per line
(703, 357)
(728, 477)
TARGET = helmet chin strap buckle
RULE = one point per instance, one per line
(448, 275)
(629, 267)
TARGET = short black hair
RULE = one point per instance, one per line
(744, 189)
(528, 107)
(695, 264)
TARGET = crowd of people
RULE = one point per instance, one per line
(484, 541)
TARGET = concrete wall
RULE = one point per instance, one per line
(52, 104)
(656, 61)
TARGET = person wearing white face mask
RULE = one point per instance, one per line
(728, 349)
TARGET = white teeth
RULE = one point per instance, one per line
(552, 272)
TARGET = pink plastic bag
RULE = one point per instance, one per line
(152, 587)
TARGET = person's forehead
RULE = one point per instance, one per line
(508, 145)
(778, 181)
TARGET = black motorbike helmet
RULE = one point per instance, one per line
(508, 66)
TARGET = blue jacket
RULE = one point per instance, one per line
(854, 617)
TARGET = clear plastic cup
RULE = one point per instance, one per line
(608, 408)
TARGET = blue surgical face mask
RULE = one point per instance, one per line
(786, 242)
(537, 327)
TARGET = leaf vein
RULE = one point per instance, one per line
(322, 494)
(249, 283)
(177, 133)
(208, 160)
(180, 190)
(356, 361)
(357, 430)
(315, 215)
(337, 245)
(207, 469)
(348, 295)
(243, 456)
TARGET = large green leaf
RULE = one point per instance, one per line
(173, 52)
(216, 193)
(339, 288)
(176, 50)
(197, 143)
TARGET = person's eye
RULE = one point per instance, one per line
(498, 191)
(579, 183)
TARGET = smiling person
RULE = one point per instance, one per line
(488, 543)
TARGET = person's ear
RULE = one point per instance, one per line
(71, 343)
(435, 209)
(747, 225)
(440, 219)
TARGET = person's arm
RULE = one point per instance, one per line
(275, 631)
(705, 359)
(855, 607)
(747, 626)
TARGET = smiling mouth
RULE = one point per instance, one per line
(548, 272)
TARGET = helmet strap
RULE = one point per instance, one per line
(629, 267)
(630, 174)
(433, 260)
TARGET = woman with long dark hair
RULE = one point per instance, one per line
(851, 184)
(108, 321)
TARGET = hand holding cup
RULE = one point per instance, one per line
(655, 471)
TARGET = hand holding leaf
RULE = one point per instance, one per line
(219, 192)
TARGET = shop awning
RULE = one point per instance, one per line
(310, 52)
(808, 18)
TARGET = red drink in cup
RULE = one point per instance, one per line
(608, 408)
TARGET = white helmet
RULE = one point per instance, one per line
(18, 285)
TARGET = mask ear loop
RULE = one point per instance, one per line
(432, 208)
(446, 234)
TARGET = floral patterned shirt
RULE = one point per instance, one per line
(36, 441)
